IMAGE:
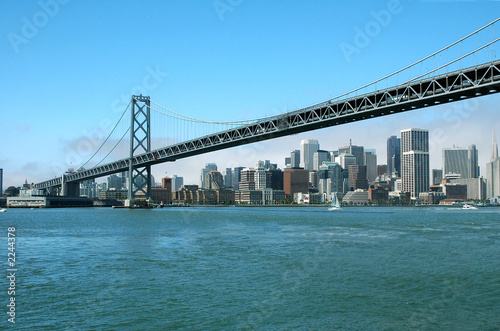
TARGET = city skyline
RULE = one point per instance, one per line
(190, 178)
(60, 98)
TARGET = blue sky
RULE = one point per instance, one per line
(69, 66)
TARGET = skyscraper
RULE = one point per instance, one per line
(214, 180)
(228, 178)
(370, 160)
(357, 151)
(415, 161)
(307, 149)
(473, 162)
(295, 159)
(237, 177)
(177, 182)
(319, 157)
(393, 155)
(357, 176)
(208, 167)
(1, 181)
(493, 171)
(455, 161)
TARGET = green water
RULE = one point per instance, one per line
(254, 268)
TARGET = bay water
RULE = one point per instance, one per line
(242, 268)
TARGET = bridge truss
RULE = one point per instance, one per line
(466, 83)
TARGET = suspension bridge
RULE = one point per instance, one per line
(470, 70)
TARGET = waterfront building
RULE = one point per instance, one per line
(378, 194)
(319, 157)
(208, 167)
(357, 197)
(357, 151)
(214, 180)
(113, 194)
(185, 194)
(163, 193)
(295, 181)
(271, 197)
(394, 155)
(415, 161)
(370, 161)
(1, 182)
(357, 176)
(431, 198)
(455, 192)
(455, 161)
(307, 149)
(476, 187)
(88, 188)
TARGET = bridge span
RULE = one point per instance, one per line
(462, 84)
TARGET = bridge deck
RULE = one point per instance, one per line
(455, 86)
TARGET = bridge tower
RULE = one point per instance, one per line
(139, 178)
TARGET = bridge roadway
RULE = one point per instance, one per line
(471, 82)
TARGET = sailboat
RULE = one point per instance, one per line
(335, 203)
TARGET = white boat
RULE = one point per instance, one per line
(3, 210)
(469, 207)
(335, 203)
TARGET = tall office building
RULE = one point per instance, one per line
(274, 179)
(331, 178)
(319, 157)
(370, 161)
(295, 181)
(208, 167)
(228, 178)
(295, 159)
(307, 149)
(214, 180)
(177, 182)
(357, 151)
(493, 172)
(237, 177)
(393, 155)
(357, 176)
(415, 161)
(437, 176)
(455, 161)
(260, 176)
(345, 160)
(1, 181)
(473, 162)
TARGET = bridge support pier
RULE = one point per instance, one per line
(140, 142)
(69, 189)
